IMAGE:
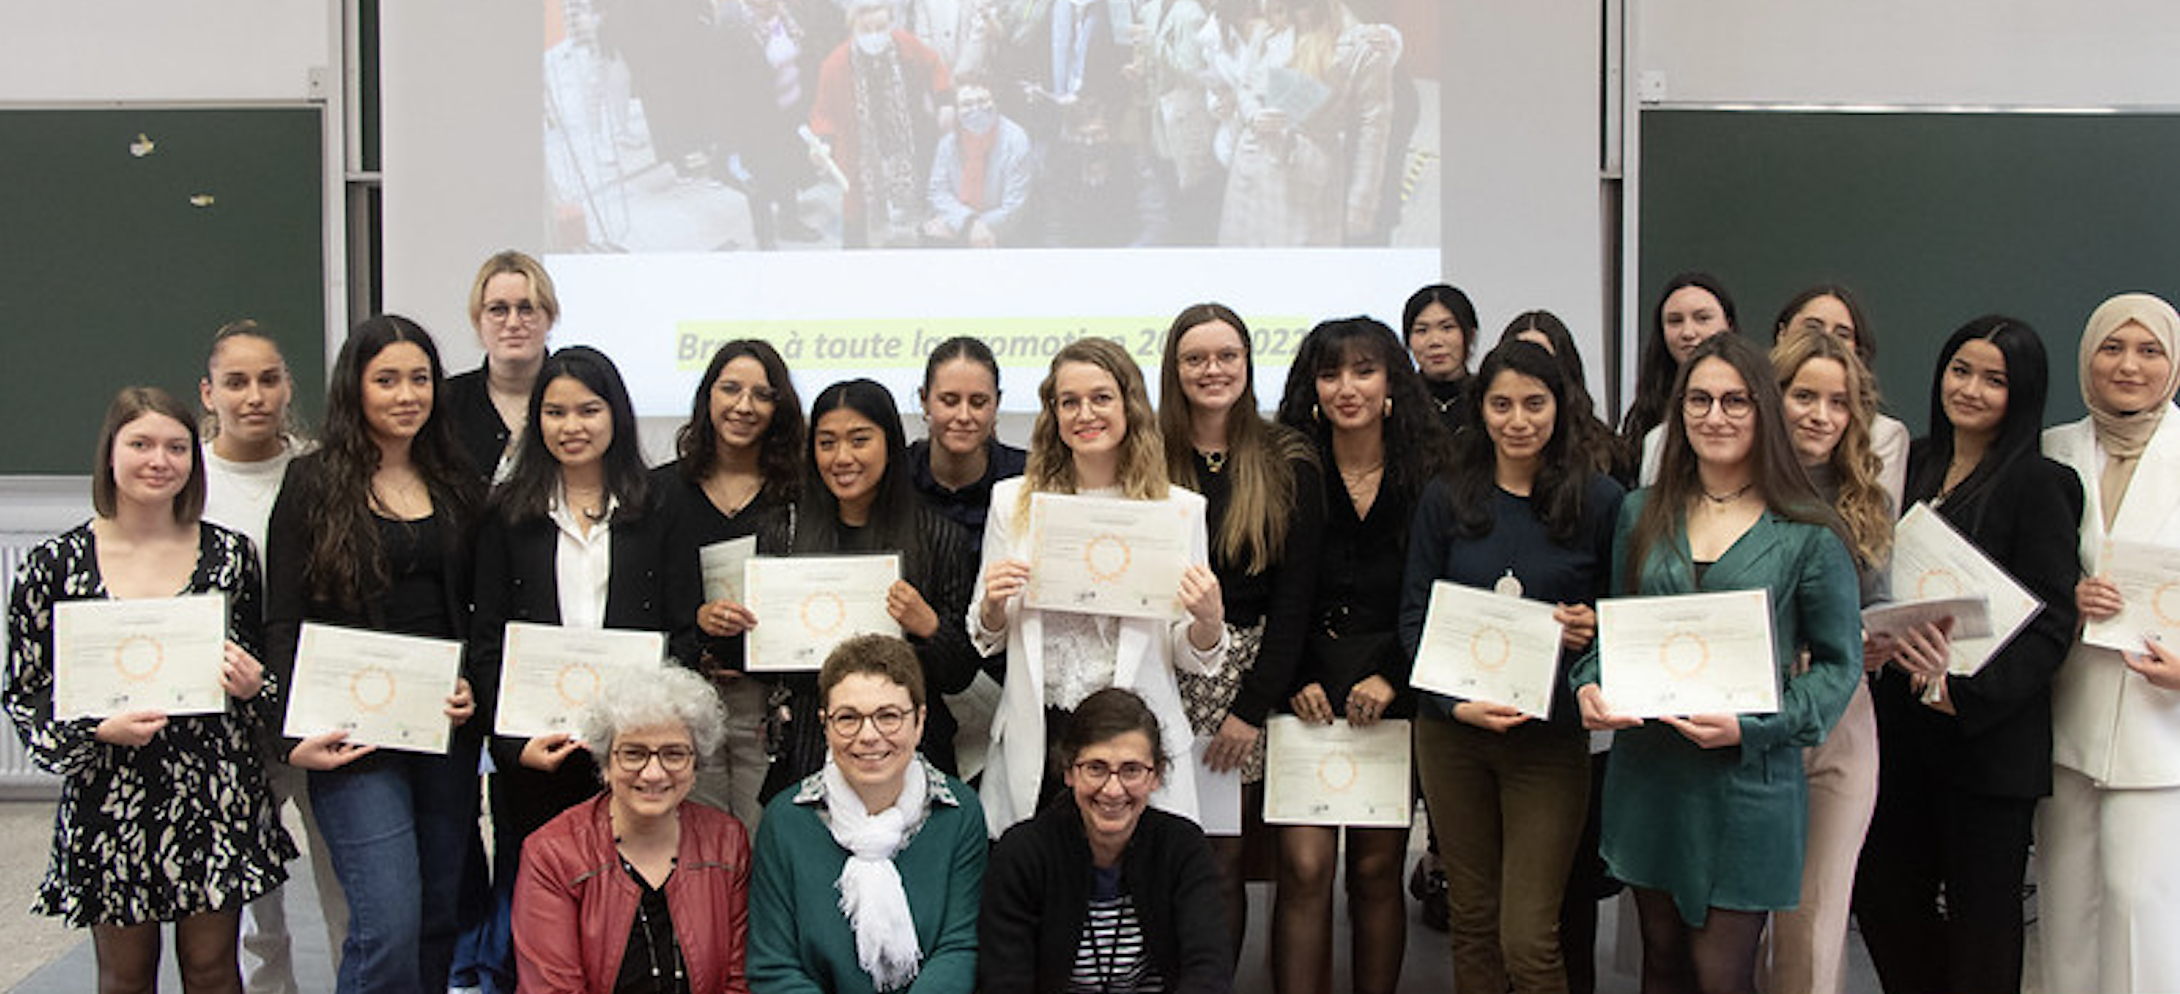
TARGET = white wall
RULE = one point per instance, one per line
(199, 51)
(1928, 53)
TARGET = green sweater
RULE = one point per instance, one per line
(799, 941)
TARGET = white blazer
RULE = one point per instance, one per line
(1148, 651)
(2108, 722)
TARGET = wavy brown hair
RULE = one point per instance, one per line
(1778, 476)
(1051, 466)
(1260, 454)
(1863, 505)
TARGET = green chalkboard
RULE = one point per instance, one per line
(127, 237)
(1932, 218)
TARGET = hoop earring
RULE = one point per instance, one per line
(1388, 407)
(1315, 414)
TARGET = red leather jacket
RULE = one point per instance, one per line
(574, 904)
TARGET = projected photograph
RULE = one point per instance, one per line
(703, 126)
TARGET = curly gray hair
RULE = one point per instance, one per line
(670, 694)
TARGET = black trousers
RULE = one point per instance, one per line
(1939, 889)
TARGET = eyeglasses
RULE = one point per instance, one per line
(732, 391)
(849, 724)
(1224, 358)
(500, 311)
(1095, 772)
(1697, 403)
(672, 758)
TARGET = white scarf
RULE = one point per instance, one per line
(870, 886)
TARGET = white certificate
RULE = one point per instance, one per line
(384, 690)
(1106, 555)
(1688, 654)
(1486, 646)
(1930, 559)
(2148, 577)
(151, 654)
(806, 605)
(549, 673)
(1971, 616)
(1337, 774)
(1218, 795)
(723, 564)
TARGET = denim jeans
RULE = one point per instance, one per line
(399, 826)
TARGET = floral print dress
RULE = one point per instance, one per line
(179, 826)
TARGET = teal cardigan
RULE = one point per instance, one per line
(799, 941)
(1725, 828)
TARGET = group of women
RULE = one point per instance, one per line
(1888, 784)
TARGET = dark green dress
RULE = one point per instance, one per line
(1725, 827)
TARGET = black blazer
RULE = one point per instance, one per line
(288, 602)
(1999, 741)
(518, 580)
(477, 425)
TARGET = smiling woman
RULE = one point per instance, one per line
(870, 872)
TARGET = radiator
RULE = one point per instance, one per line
(19, 777)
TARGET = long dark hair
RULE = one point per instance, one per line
(1455, 302)
(1417, 445)
(1778, 474)
(2020, 432)
(345, 563)
(1563, 477)
(528, 492)
(1655, 373)
(1593, 439)
(894, 507)
(779, 449)
(1259, 453)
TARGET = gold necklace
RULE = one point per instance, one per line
(1213, 461)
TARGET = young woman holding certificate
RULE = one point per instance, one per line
(162, 818)
(1830, 402)
(857, 498)
(2107, 880)
(1964, 758)
(1526, 512)
(1096, 435)
(1704, 813)
(740, 461)
(371, 531)
(1264, 507)
(1352, 391)
(574, 538)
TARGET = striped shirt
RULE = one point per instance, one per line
(1111, 958)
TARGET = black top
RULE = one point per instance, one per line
(969, 505)
(478, 429)
(1280, 596)
(693, 523)
(416, 556)
(652, 962)
(1577, 573)
(289, 603)
(1998, 742)
(1037, 891)
(1452, 399)
(1355, 616)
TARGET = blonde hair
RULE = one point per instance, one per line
(520, 264)
(1051, 467)
(1863, 504)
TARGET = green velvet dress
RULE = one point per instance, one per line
(1725, 828)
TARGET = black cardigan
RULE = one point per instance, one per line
(288, 602)
(477, 425)
(1999, 741)
(1037, 898)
